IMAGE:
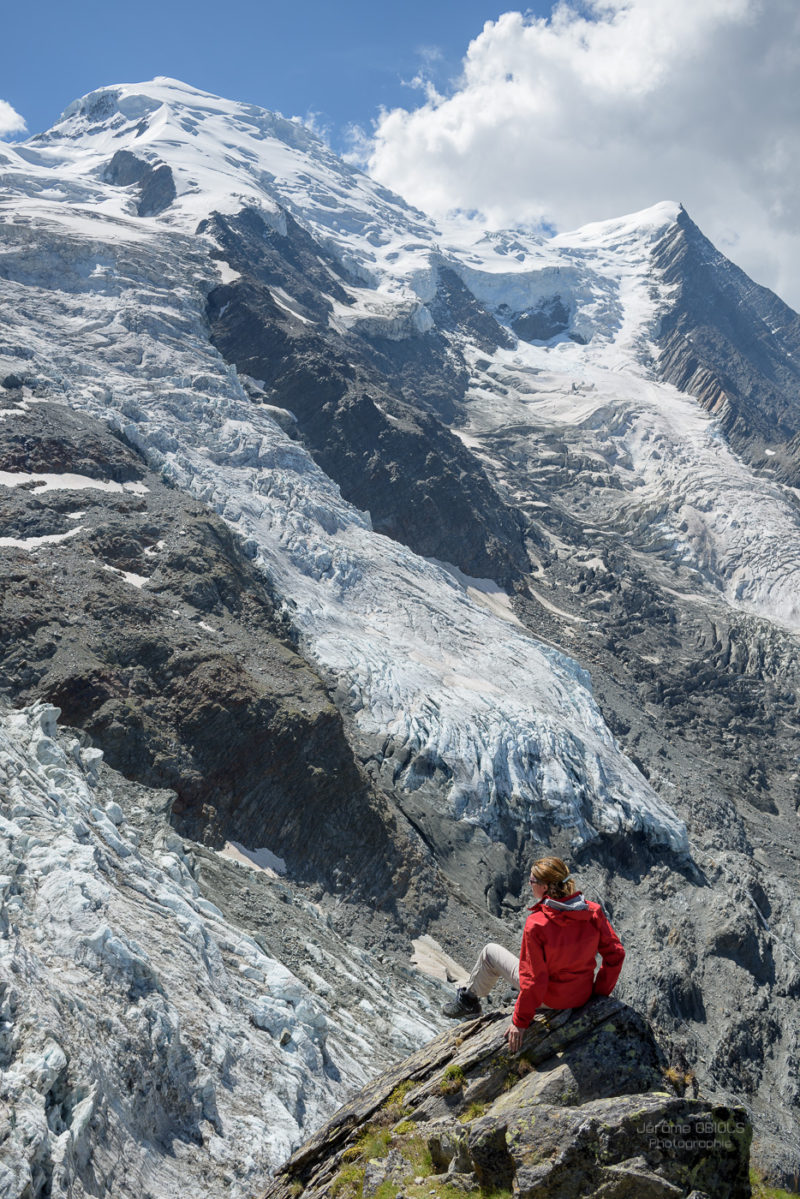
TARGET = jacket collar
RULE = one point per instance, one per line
(575, 903)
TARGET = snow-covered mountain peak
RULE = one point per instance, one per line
(637, 227)
(166, 153)
(224, 156)
(192, 130)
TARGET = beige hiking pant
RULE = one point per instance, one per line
(494, 963)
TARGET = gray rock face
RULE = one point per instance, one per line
(455, 310)
(156, 182)
(419, 483)
(734, 345)
(581, 1110)
(125, 168)
(548, 319)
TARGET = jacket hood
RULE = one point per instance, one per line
(574, 903)
(575, 907)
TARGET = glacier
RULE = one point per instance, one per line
(145, 1032)
(111, 309)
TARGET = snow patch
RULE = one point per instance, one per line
(39, 482)
(34, 543)
(128, 576)
(260, 859)
(431, 959)
(485, 592)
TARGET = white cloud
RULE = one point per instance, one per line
(10, 121)
(611, 105)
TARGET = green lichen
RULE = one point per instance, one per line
(387, 1190)
(452, 1080)
(416, 1151)
(680, 1080)
(440, 1191)
(394, 1108)
(373, 1142)
(399, 1093)
(349, 1182)
(431, 1190)
(473, 1112)
(762, 1190)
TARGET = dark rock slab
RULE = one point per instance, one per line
(547, 320)
(456, 310)
(643, 1145)
(156, 181)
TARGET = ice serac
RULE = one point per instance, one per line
(146, 1043)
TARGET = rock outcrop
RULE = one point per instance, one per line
(155, 181)
(586, 1108)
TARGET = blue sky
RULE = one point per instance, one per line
(342, 61)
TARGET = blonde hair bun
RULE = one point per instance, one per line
(554, 874)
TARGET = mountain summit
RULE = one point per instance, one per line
(388, 553)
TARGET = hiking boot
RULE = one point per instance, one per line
(463, 1006)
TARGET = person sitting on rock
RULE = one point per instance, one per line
(556, 967)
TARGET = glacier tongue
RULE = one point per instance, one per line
(511, 722)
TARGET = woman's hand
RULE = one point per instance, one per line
(514, 1037)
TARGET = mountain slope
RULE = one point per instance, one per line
(444, 467)
(735, 346)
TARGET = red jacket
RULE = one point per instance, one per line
(557, 959)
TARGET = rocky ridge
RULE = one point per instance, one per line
(733, 345)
